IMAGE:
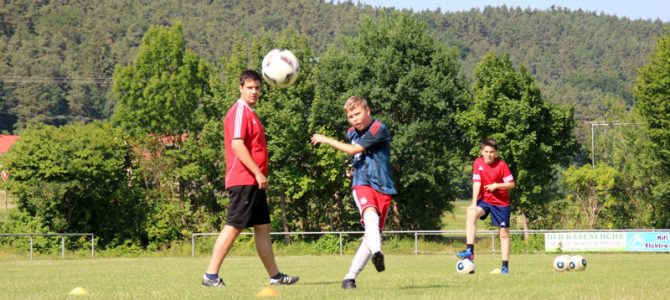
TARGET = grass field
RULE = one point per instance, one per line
(608, 276)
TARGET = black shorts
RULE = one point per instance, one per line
(248, 206)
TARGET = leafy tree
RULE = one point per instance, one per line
(414, 85)
(652, 94)
(625, 147)
(535, 136)
(595, 191)
(164, 99)
(76, 178)
(161, 92)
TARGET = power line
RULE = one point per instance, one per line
(56, 80)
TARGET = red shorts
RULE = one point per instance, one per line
(365, 196)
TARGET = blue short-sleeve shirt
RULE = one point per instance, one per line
(372, 167)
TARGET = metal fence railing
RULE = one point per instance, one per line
(62, 236)
(418, 233)
(415, 233)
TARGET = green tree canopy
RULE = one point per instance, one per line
(161, 92)
(76, 178)
(652, 94)
(594, 192)
(165, 100)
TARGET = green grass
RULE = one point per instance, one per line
(608, 276)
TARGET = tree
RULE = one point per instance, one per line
(652, 94)
(76, 178)
(534, 136)
(414, 85)
(164, 100)
(596, 190)
(162, 91)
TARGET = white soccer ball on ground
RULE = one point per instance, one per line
(577, 263)
(280, 68)
(561, 263)
(465, 266)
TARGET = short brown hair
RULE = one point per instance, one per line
(489, 142)
(353, 102)
(249, 75)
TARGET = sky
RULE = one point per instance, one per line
(633, 9)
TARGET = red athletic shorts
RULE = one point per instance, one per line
(365, 196)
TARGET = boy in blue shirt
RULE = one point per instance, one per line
(373, 187)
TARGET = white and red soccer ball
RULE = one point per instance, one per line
(280, 68)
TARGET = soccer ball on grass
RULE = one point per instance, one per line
(577, 263)
(561, 263)
(465, 266)
(280, 68)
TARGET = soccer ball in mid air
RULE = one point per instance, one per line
(280, 68)
(465, 266)
(561, 263)
(577, 263)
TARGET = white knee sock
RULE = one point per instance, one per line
(372, 235)
(360, 259)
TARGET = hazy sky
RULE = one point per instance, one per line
(633, 9)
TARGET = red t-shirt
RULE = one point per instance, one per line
(496, 172)
(242, 123)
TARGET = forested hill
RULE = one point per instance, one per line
(57, 57)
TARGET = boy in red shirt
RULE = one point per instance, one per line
(247, 183)
(491, 180)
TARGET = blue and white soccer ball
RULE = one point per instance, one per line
(280, 68)
(561, 263)
(465, 266)
(577, 263)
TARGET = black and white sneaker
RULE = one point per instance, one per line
(378, 261)
(218, 282)
(284, 279)
(349, 284)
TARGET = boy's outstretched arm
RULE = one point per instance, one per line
(352, 149)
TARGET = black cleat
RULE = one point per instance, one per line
(349, 284)
(284, 279)
(378, 261)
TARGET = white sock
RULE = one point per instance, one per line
(372, 235)
(360, 259)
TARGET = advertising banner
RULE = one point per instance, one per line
(648, 241)
(605, 241)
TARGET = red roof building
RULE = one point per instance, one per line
(7, 141)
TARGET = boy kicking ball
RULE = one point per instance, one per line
(372, 183)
